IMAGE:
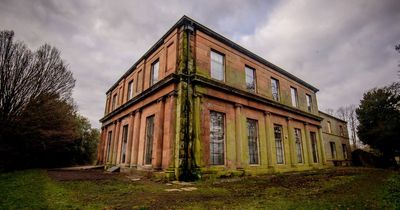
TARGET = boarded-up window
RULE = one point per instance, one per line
(217, 138)
(114, 102)
(250, 79)
(171, 57)
(155, 67)
(139, 81)
(149, 140)
(299, 145)
(329, 125)
(275, 89)
(124, 143)
(314, 146)
(278, 144)
(217, 66)
(333, 149)
(109, 140)
(341, 130)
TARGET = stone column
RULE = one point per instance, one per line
(119, 142)
(197, 130)
(114, 143)
(135, 140)
(322, 148)
(308, 152)
(269, 136)
(105, 145)
(160, 132)
(292, 155)
(238, 135)
(130, 138)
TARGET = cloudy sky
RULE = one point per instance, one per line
(344, 48)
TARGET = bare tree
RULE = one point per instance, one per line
(329, 111)
(348, 114)
(25, 75)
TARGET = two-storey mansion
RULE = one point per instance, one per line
(198, 103)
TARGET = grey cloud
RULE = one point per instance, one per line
(343, 48)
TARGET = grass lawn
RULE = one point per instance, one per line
(336, 188)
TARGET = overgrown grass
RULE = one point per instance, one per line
(339, 188)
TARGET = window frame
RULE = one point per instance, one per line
(309, 102)
(278, 94)
(212, 51)
(254, 153)
(282, 145)
(314, 147)
(124, 143)
(333, 150)
(129, 93)
(153, 79)
(254, 78)
(345, 152)
(114, 102)
(295, 98)
(148, 147)
(299, 145)
(212, 153)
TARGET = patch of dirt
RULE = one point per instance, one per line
(72, 175)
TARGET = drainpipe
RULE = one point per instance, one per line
(186, 170)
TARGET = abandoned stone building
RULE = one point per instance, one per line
(336, 140)
(197, 103)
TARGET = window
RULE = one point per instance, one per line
(154, 72)
(309, 102)
(293, 93)
(124, 143)
(149, 140)
(344, 147)
(217, 137)
(217, 66)
(252, 136)
(278, 144)
(299, 147)
(341, 130)
(114, 102)
(314, 146)
(130, 90)
(275, 89)
(329, 127)
(108, 152)
(333, 149)
(250, 79)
